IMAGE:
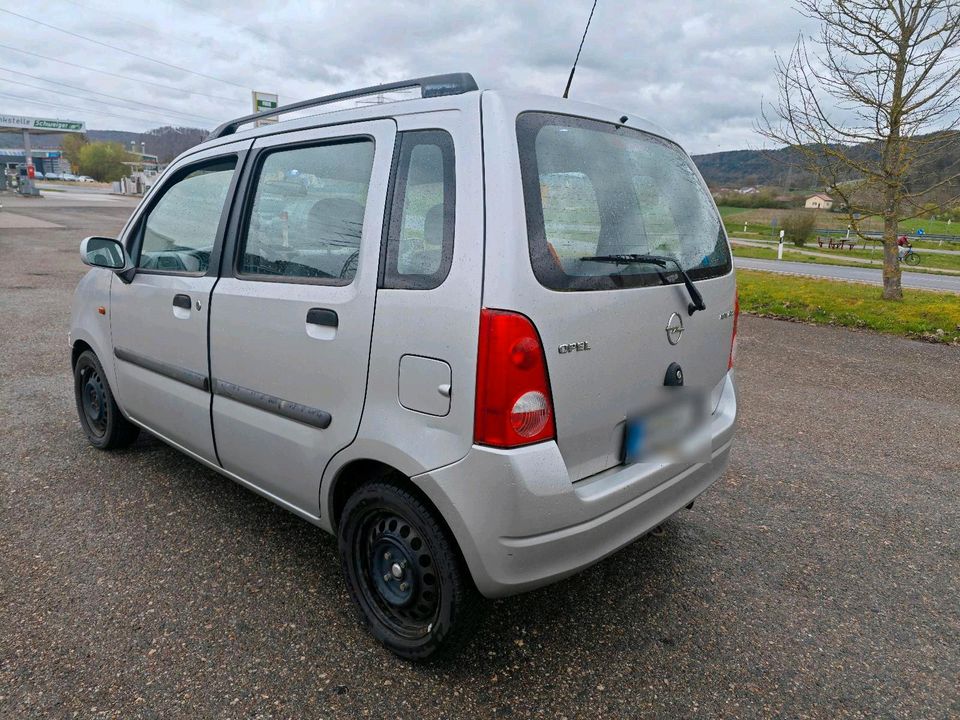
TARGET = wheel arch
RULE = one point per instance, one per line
(79, 347)
(359, 471)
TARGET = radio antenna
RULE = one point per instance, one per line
(566, 90)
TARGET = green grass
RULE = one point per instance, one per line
(922, 315)
(927, 260)
(770, 253)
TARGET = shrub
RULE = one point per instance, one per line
(798, 227)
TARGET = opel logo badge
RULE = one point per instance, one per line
(674, 328)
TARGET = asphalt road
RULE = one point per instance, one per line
(818, 579)
(923, 281)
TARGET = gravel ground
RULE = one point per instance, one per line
(818, 578)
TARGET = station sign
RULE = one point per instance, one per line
(22, 122)
(264, 102)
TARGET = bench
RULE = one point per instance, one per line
(836, 244)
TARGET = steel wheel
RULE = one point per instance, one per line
(93, 400)
(399, 581)
(100, 417)
(405, 572)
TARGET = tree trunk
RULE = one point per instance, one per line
(891, 259)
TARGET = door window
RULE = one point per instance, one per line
(180, 230)
(420, 232)
(306, 219)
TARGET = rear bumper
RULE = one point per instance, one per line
(521, 523)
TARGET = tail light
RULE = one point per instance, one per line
(733, 336)
(514, 404)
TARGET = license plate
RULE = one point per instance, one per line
(659, 429)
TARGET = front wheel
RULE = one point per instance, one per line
(405, 573)
(912, 259)
(106, 428)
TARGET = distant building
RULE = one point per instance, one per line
(144, 171)
(820, 201)
(747, 191)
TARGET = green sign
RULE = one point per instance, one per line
(57, 125)
(266, 104)
(22, 122)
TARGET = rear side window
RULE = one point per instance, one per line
(423, 210)
(594, 190)
(180, 229)
(306, 219)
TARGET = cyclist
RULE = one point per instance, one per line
(902, 246)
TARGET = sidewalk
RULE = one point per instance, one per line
(766, 243)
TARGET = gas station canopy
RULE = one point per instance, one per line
(35, 126)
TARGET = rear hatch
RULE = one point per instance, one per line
(600, 200)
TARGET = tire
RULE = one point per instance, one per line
(106, 428)
(912, 259)
(405, 574)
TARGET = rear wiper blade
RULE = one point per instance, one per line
(659, 261)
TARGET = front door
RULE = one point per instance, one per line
(292, 314)
(159, 319)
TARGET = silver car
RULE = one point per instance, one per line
(484, 338)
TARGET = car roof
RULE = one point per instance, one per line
(419, 105)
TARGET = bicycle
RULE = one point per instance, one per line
(910, 258)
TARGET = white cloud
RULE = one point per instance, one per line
(695, 67)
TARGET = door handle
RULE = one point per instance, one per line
(181, 301)
(322, 316)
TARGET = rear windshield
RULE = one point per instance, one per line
(593, 189)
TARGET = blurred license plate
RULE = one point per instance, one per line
(660, 429)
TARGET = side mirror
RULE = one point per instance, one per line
(103, 252)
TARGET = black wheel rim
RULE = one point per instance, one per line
(93, 400)
(396, 573)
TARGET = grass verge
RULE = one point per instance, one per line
(921, 315)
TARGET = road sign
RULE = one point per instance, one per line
(263, 102)
(40, 125)
(921, 232)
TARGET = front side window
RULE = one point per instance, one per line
(420, 231)
(181, 228)
(307, 214)
(594, 190)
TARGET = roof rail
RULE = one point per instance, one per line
(430, 86)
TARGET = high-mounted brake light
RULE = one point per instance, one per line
(514, 404)
(733, 335)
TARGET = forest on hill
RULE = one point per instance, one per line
(778, 168)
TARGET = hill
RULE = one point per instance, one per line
(742, 168)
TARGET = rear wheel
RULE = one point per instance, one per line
(100, 418)
(405, 573)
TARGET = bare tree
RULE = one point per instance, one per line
(873, 105)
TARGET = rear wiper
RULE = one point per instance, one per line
(659, 261)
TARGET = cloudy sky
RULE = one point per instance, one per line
(700, 68)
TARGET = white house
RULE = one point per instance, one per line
(819, 201)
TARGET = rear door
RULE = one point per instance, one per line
(292, 314)
(611, 327)
(158, 320)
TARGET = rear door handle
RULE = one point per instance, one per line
(322, 316)
(181, 301)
